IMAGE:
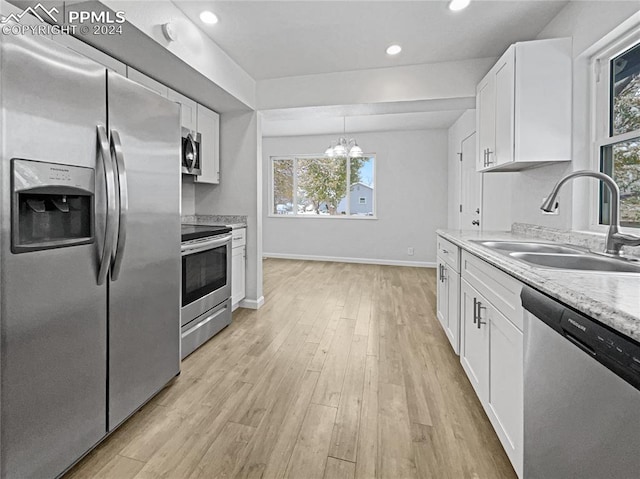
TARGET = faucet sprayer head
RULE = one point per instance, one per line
(550, 205)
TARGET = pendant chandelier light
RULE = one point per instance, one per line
(343, 147)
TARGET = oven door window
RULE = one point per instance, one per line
(203, 273)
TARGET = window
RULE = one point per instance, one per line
(618, 129)
(316, 186)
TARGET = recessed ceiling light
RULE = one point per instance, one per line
(208, 17)
(394, 50)
(457, 5)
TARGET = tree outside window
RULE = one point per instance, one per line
(321, 184)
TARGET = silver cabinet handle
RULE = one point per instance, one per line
(489, 153)
(475, 306)
(116, 148)
(445, 251)
(480, 308)
(111, 220)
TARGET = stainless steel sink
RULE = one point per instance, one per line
(528, 247)
(578, 261)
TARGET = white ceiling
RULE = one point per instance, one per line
(272, 39)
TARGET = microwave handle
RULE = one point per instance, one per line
(194, 152)
(191, 248)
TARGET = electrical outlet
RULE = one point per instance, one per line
(410, 251)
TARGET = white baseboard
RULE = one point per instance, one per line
(252, 303)
(339, 259)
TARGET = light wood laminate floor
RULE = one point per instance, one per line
(345, 372)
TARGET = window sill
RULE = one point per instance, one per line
(325, 217)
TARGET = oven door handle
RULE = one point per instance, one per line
(192, 248)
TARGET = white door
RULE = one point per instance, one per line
(474, 349)
(470, 186)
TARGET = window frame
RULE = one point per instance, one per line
(601, 118)
(295, 158)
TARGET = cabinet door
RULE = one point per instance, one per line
(486, 119)
(209, 128)
(237, 275)
(147, 82)
(506, 384)
(442, 308)
(504, 110)
(187, 109)
(474, 350)
(453, 309)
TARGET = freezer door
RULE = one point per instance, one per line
(53, 313)
(144, 292)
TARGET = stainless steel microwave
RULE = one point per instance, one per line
(190, 152)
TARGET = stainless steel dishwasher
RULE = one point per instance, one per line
(581, 395)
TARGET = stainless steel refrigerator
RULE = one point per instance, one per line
(89, 253)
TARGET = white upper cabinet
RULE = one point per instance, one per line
(524, 107)
(188, 109)
(486, 116)
(208, 125)
(147, 82)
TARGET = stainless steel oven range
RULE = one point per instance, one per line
(206, 284)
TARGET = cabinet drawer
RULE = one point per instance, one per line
(239, 237)
(449, 252)
(498, 287)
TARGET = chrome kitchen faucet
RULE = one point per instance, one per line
(615, 240)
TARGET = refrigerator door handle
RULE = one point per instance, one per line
(110, 182)
(116, 148)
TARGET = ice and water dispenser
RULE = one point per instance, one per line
(52, 205)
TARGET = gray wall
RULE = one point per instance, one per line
(411, 189)
(240, 186)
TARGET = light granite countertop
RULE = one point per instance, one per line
(231, 221)
(610, 298)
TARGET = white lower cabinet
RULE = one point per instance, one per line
(506, 383)
(448, 290)
(474, 348)
(447, 300)
(238, 267)
(491, 348)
